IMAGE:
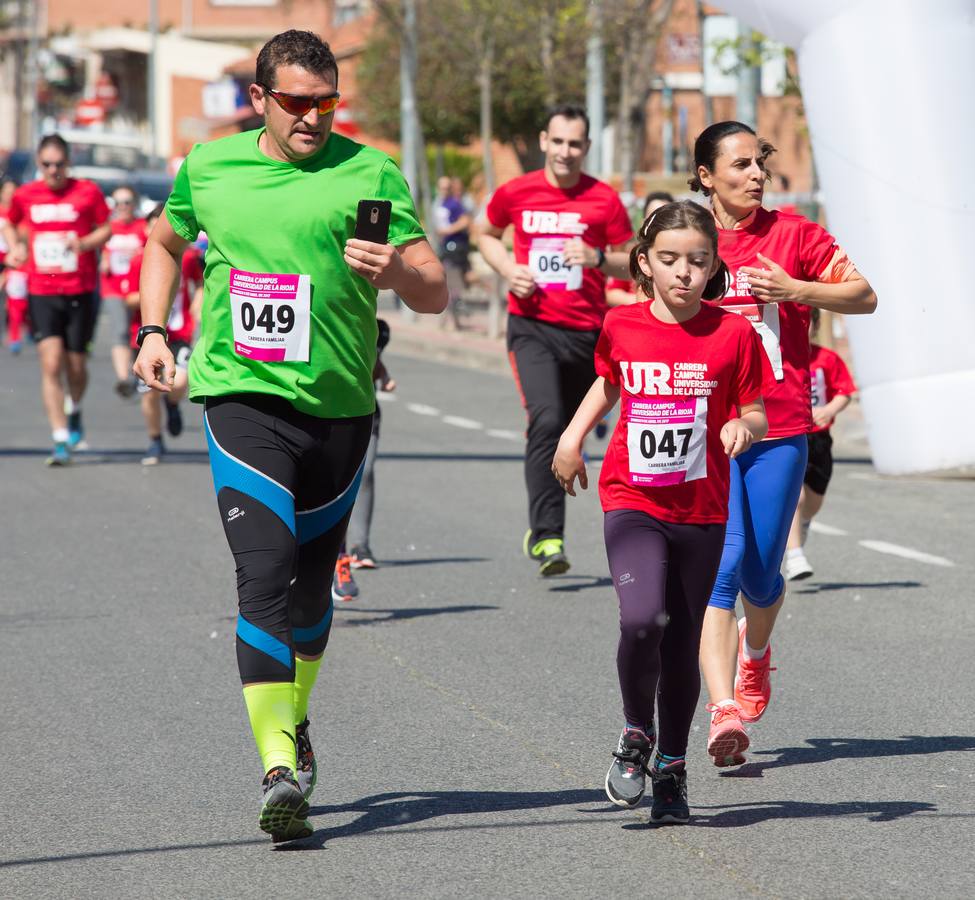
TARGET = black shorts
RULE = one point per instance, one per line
(819, 469)
(70, 317)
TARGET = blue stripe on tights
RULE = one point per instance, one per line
(304, 635)
(261, 640)
(228, 471)
(313, 523)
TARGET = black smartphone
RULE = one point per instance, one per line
(372, 221)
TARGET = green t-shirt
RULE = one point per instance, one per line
(310, 340)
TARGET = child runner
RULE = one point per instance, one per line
(180, 327)
(781, 265)
(832, 390)
(691, 377)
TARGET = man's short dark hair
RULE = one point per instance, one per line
(296, 48)
(567, 111)
(54, 140)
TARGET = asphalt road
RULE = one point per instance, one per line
(466, 712)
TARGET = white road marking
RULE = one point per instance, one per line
(422, 409)
(504, 434)
(386, 397)
(821, 528)
(907, 553)
(461, 422)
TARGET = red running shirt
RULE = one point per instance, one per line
(679, 384)
(805, 251)
(544, 218)
(125, 244)
(829, 377)
(181, 324)
(51, 218)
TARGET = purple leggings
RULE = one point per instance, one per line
(663, 573)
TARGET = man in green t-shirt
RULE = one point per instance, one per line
(284, 367)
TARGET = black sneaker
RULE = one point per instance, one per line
(284, 810)
(174, 419)
(626, 780)
(669, 796)
(362, 557)
(307, 774)
(125, 387)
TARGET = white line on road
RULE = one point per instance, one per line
(461, 422)
(385, 397)
(504, 434)
(422, 409)
(906, 553)
(821, 528)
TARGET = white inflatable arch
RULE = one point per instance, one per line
(889, 92)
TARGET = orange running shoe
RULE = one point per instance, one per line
(753, 686)
(344, 587)
(727, 741)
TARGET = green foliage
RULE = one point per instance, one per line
(452, 40)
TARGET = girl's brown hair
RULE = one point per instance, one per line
(673, 217)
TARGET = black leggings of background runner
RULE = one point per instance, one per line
(283, 577)
(663, 574)
(554, 369)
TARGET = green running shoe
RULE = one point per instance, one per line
(550, 553)
(284, 810)
(307, 774)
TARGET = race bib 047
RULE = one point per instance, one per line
(667, 440)
(271, 315)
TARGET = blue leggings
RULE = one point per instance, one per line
(765, 485)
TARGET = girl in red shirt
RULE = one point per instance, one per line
(690, 377)
(780, 266)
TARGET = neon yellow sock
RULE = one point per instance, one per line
(271, 710)
(306, 673)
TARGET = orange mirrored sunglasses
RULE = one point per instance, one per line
(298, 105)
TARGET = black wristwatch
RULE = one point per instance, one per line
(146, 330)
(600, 257)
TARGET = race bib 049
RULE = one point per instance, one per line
(271, 315)
(52, 253)
(549, 268)
(667, 440)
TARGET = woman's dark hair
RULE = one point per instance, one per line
(296, 48)
(157, 211)
(54, 140)
(653, 197)
(708, 146)
(672, 217)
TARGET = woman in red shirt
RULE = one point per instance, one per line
(690, 376)
(781, 265)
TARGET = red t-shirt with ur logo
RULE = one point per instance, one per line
(805, 250)
(544, 218)
(679, 384)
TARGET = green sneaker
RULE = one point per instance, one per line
(550, 555)
(284, 809)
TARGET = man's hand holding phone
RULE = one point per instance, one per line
(369, 253)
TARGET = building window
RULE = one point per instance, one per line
(347, 10)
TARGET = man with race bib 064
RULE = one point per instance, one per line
(55, 225)
(570, 230)
(284, 365)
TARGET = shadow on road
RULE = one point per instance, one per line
(740, 815)
(827, 749)
(593, 581)
(109, 457)
(433, 561)
(398, 809)
(378, 616)
(858, 585)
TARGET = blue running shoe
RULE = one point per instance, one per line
(76, 431)
(154, 453)
(60, 456)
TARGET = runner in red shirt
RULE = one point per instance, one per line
(14, 280)
(832, 391)
(568, 227)
(180, 327)
(55, 226)
(690, 376)
(127, 240)
(780, 266)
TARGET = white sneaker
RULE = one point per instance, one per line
(797, 566)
